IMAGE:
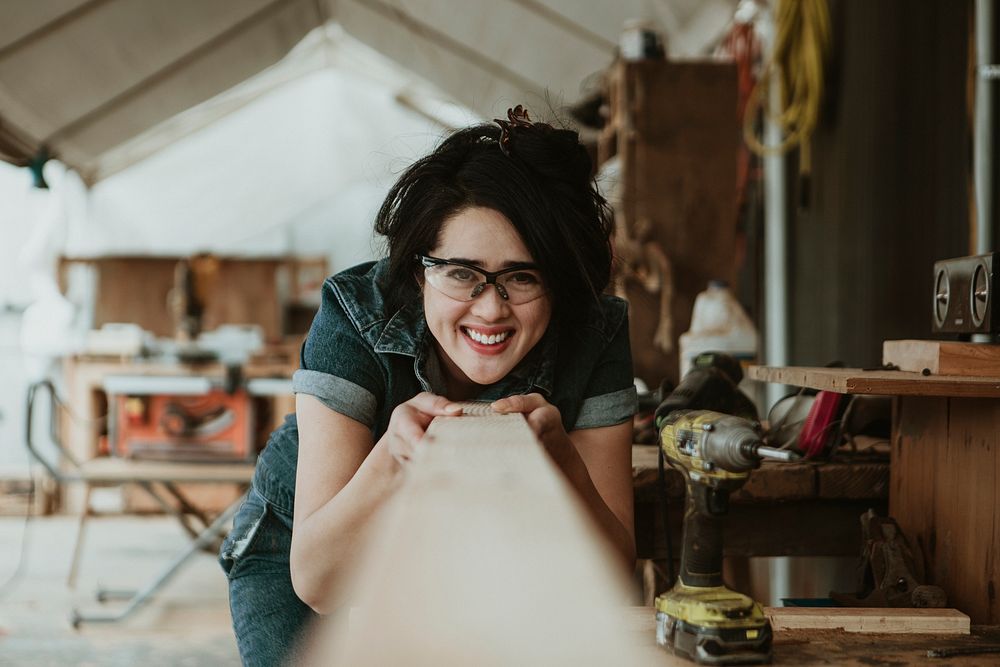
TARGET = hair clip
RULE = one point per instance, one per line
(516, 117)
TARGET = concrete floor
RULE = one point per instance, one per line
(187, 623)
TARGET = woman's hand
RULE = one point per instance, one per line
(409, 422)
(544, 419)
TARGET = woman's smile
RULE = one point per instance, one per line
(488, 340)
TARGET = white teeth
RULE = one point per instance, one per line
(483, 339)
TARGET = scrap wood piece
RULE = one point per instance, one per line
(870, 620)
(943, 357)
(485, 556)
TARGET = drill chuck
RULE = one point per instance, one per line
(718, 441)
(777, 454)
(732, 445)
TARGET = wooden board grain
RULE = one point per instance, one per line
(856, 619)
(943, 357)
(678, 141)
(945, 474)
(484, 556)
(966, 497)
(884, 383)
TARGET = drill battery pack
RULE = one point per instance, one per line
(713, 626)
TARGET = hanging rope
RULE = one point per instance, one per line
(801, 48)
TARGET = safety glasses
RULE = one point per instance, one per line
(517, 284)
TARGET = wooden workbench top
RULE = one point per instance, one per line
(110, 469)
(886, 383)
(864, 478)
(836, 647)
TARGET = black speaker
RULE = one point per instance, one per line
(964, 288)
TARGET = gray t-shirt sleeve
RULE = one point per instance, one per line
(610, 397)
(608, 409)
(338, 366)
(336, 393)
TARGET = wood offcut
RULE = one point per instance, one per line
(936, 357)
(874, 620)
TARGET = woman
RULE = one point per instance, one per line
(498, 254)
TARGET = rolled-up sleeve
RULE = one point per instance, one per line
(607, 409)
(338, 394)
(337, 364)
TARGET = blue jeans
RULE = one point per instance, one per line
(268, 618)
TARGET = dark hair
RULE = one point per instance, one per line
(542, 184)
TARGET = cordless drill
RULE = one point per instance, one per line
(700, 618)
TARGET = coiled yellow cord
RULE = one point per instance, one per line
(800, 51)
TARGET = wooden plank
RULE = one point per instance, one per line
(245, 291)
(943, 357)
(484, 556)
(944, 495)
(112, 469)
(965, 508)
(234, 291)
(776, 481)
(885, 383)
(806, 648)
(854, 480)
(678, 141)
(920, 425)
(764, 529)
(874, 620)
(134, 289)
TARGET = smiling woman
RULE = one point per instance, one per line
(492, 291)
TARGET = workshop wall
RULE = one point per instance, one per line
(891, 180)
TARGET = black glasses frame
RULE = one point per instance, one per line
(491, 276)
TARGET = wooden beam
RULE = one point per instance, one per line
(46, 29)
(484, 556)
(874, 620)
(169, 70)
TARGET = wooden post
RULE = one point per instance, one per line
(485, 556)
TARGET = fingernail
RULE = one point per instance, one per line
(453, 407)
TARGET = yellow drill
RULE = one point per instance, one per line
(700, 618)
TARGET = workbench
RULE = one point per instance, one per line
(804, 648)
(775, 513)
(83, 421)
(944, 471)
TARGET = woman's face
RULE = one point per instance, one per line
(485, 238)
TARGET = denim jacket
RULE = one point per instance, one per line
(362, 361)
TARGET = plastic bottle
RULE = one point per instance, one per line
(718, 324)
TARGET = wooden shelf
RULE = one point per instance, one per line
(775, 482)
(887, 383)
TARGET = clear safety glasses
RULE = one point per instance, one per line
(517, 284)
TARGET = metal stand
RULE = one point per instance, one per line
(137, 598)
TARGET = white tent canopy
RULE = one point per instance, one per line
(83, 77)
(294, 158)
(250, 185)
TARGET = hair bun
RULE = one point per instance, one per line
(552, 153)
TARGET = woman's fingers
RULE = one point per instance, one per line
(435, 405)
(521, 403)
(410, 420)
